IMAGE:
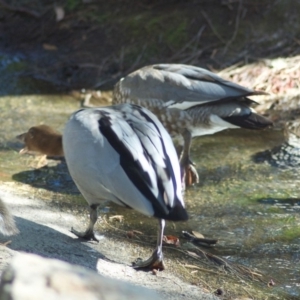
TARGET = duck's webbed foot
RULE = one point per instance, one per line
(153, 262)
(191, 174)
(87, 235)
(156, 259)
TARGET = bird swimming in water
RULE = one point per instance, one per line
(7, 223)
(42, 139)
(190, 102)
(123, 154)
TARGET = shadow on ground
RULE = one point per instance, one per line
(52, 178)
(48, 242)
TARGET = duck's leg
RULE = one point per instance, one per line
(189, 174)
(156, 259)
(89, 233)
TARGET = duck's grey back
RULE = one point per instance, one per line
(177, 83)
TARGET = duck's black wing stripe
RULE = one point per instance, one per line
(132, 167)
(251, 121)
(166, 156)
(177, 212)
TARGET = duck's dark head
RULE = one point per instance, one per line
(42, 139)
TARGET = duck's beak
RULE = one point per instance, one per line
(24, 150)
(21, 137)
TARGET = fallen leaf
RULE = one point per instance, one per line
(49, 47)
(193, 254)
(198, 235)
(117, 218)
(171, 240)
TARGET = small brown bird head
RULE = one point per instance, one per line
(42, 139)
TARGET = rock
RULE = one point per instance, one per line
(32, 277)
(7, 223)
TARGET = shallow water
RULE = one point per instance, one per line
(251, 208)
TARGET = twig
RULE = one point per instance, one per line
(212, 26)
(136, 62)
(100, 69)
(197, 52)
(247, 291)
(207, 285)
(236, 27)
(194, 38)
(121, 58)
(195, 256)
(160, 276)
(202, 269)
(113, 227)
(234, 270)
(20, 9)
(89, 65)
(117, 217)
(41, 76)
(121, 73)
(6, 243)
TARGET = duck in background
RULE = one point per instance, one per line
(190, 102)
(123, 154)
(92, 98)
(43, 140)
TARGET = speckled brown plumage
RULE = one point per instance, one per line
(190, 102)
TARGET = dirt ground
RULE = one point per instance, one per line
(45, 231)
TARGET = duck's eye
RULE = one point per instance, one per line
(31, 134)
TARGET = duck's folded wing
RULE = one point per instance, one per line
(147, 157)
(181, 86)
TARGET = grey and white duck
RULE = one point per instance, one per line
(124, 154)
(190, 101)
